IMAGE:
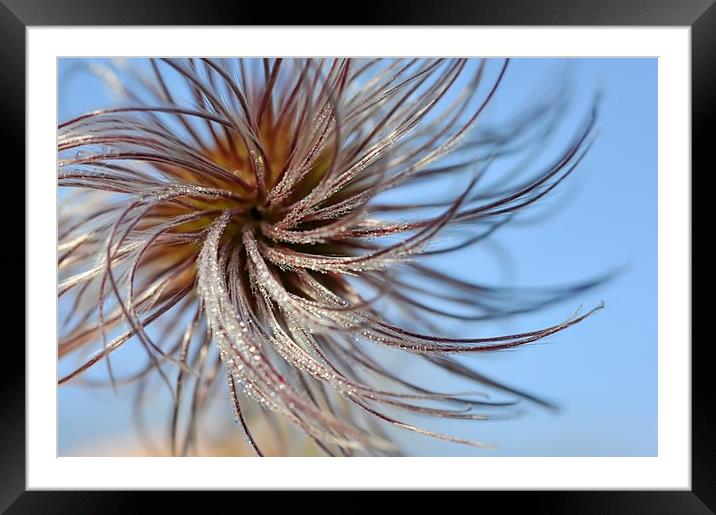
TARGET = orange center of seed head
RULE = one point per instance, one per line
(230, 153)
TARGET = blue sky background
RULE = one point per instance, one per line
(603, 372)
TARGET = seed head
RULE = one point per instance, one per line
(256, 220)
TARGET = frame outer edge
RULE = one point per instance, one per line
(703, 409)
(12, 102)
(367, 12)
(12, 138)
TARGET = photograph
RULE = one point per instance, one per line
(430, 247)
(357, 256)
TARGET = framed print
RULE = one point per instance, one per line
(441, 249)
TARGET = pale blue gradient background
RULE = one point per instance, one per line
(603, 372)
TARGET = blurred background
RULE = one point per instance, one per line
(601, 373)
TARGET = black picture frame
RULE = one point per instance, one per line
(16, 15)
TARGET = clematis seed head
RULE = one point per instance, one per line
(252, 222)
